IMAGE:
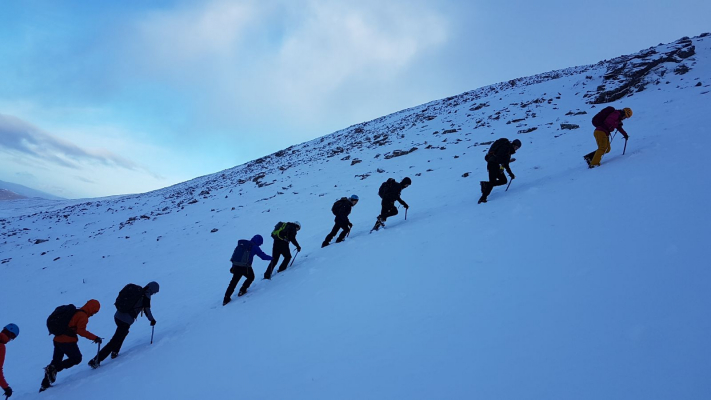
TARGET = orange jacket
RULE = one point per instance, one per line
(77, 324)
(3, 339)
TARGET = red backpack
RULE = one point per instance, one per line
(600, 117)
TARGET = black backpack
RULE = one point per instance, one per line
(128, 297)
(387, 188)
(600, 117)
(491, 154)
(339, 207)
(242, 253)
(58, 320)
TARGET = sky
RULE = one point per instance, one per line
(103, 98)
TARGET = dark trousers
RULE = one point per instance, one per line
(496, 178)
(341, 223)
(237, 274)
(114, 345)
(280, 248)
(71, 350)
(388, 209)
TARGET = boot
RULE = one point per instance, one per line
(324, 244)
(114, 354)
(242, 292)
(50, 372)
(224, 303)
(482, 199)
(94, 363)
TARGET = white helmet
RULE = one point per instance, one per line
(298, 224)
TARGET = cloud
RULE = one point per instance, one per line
(239, 62)
(21, 137)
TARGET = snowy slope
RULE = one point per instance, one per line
(574, 284)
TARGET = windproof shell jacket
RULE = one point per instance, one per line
(77, 325)
(3, 340)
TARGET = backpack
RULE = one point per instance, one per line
(601, 116)
(387, 188)
(278, 228)
(242, 253)
(491, 154)
(128, 297)
(58, 320)
(340, 206)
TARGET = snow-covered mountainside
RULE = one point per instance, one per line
(574, 284)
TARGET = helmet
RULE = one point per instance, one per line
(153, 287)
(258, 240)
(13, 329)
(298, 225)
(406, 181)
(627, 112)
(516, 143)
(354, 197)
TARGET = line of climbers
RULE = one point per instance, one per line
(285, 233)
(67, 322)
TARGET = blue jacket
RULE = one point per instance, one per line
(256, 241)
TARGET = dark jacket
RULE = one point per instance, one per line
(342, 208)
(500, 153)
(288, 234)
(142, 305)
(393, 193)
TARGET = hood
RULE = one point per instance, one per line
(258, 240)
(152, 287)
(92, 307)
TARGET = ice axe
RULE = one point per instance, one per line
(507, 187)
(625, 149)
(98, 350)
(294, 259)
(153, 330)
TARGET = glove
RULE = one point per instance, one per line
(153, 323)
(350, 224)
(298, 248)
(97, 340)
(627, 137)
(512, 176)
(8, 392)
(512, 160)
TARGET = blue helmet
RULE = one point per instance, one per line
(13, 329)
(354, 197)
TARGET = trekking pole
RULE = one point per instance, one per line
(153, 330)
(507, 187)
(294, 259)
(625, 149)
(406, 213)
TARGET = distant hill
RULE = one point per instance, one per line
(14, 191)
(10, 195)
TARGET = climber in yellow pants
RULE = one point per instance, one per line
(609, 121)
